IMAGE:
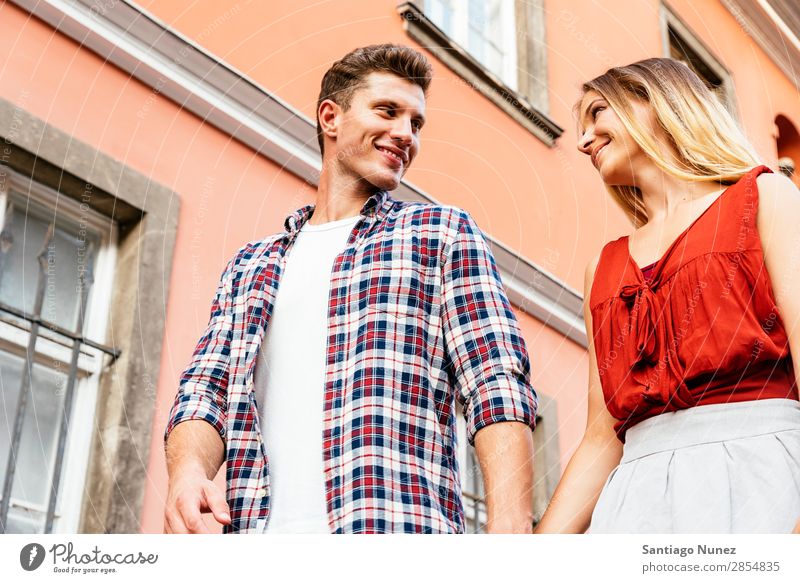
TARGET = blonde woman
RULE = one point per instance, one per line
(693, 321)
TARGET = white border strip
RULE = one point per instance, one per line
(779, 22)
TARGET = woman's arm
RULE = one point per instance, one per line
(778, 217)
(570, 510)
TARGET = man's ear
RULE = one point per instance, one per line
(329, 113)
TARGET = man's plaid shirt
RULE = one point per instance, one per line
(417, 315)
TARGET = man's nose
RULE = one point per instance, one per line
(402, 131)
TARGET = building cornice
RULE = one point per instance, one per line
(763, 23)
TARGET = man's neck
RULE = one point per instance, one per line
(338, 198)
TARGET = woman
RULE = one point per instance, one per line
(693, 321)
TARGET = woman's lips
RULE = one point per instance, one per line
(597, 154)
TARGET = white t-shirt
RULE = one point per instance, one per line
(290, 380)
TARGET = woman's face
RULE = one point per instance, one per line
(613, 151)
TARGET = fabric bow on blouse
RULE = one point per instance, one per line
(644, 316)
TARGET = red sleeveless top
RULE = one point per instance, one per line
(704, 328)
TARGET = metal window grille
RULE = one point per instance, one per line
(29, 373)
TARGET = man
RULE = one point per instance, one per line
(326, 378)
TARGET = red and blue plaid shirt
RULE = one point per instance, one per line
(417, 317)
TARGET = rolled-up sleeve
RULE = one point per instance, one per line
(485, 349)
(204, 384)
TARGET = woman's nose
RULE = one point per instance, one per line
(585, 142)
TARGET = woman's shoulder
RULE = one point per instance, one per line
(611, 258)
(775, 188)
(778, 196)
(613, 251)
(778, 208)
(611, 248)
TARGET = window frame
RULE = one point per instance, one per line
(670, 22)
(49, 350)
(461, 35)
(527, 105)
(473, 501)
(546, 466)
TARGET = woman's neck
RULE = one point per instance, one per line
(663, 194)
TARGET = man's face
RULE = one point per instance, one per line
(377, 138)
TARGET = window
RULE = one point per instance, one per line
(473, 496)
(546, 469)
(682, 45)
(546, 456)
(56, 268)
(497, 46)
(485, 28)
(132, 221)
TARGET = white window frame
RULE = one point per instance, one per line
(91, 361)
(434, 10)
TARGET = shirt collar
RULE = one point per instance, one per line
(377, 206)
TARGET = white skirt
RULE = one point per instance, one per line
(728, 468)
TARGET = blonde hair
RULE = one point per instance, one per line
(710, 145)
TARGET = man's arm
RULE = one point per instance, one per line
(505, 452)
(195, 433)
(490, 369)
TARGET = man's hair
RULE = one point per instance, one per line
(349, 73)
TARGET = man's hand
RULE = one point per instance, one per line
(189, 497)
(505, 453)
(194, 454)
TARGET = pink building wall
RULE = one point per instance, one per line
(548, 204)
